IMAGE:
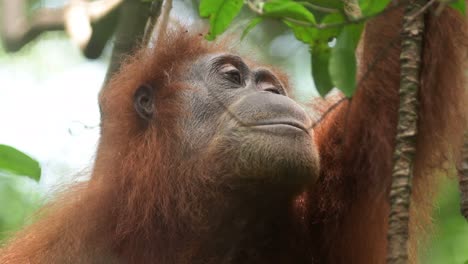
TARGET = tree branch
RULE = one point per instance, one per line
(319, 7)
(130, 31)
(17, 29)
(155, 12)
(402, 175)
(357, 20)
(164, 19)
(158, 20)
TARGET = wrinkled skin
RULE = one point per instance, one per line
(245, 113)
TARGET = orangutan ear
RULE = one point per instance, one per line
(143, 101)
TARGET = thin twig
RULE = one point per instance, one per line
(155, 12)
(328, 111)
(442, 5)
(423, 9)
(163, 21)
(319, 8)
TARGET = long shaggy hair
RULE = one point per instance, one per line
(140, 205)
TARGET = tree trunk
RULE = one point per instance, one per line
(130, 32)
(400, 194)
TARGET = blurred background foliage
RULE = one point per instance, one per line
(48, 109)
(449, 238)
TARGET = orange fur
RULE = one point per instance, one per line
(351, 216)
(139, 208)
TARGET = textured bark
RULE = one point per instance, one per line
(352, 9)
(402, 174)
(464, 179)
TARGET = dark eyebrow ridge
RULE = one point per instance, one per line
(235, 60)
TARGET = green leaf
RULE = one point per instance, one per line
(16, 162)
(328, 3)
(304, 34)
(221, 14)
(289, 9)
(208, 7)
(459, 5)
(371, 7)
(342, 65)
(320, 57)
(19, 198)
(252, 23)
(332, 32)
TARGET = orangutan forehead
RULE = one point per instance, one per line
(179, 50)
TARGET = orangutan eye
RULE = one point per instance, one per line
(232, 74)
(272, 90)
(269, 87)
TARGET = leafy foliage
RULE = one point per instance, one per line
(288, 9)
(327, 3)
(19, 198)
(17, 202)
(342, 64)
(370, 7)
(221, 14)
(450, 235)
(320, 63)
(331, 66)
(16, 162)
(254, 22)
